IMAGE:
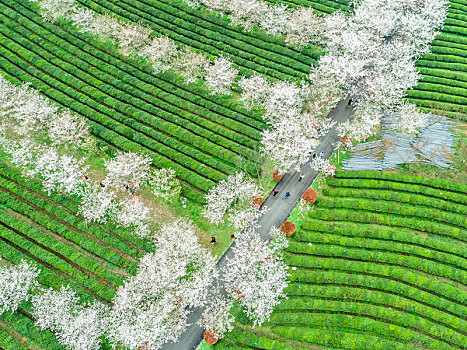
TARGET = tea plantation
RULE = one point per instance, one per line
(378, 263)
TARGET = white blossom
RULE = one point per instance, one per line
(372, 54)
(256, 275)
(78, 327)
(151, 308)
(160, 52)
(53, 10)
(323, 166)
(28, 111)
(68, 129)
(164, 184)
(220, 75)
(135, 215)
(16, 282)
(59, 173)
(133, 37)
(408, 118)
(233, 197)
(106, 26)
(290, 140)
(82, 18)
(276, 19)
(285, 98)
(128, 168)
(254, 90)
(97, 204)
(305, 27)
(217, 315)
(190, 64)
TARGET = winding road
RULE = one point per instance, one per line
(279, 210)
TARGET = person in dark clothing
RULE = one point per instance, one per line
(301, 177)
(232, 236)
(102, 185)
(287, 194)
(314, 155)
(213, 240)
(274, 193)
(349, 103)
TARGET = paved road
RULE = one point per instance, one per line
(279, 210)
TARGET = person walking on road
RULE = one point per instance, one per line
(349, 103)
(321, 154)
(301, 177)
(274, 193)
(287, 194)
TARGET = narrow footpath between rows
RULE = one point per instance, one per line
(279, 210)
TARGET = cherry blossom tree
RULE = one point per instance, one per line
(53, 10)
(256, 275)
(217, 316)
(255, 89)
(106, 26)
(20, 153)
(372, 54)
(290, 140)
(233, 198)
(68, 129)
(135, 215)
(408, 118)
(128, 168)
(133, 37)
(220, 75)
(246, 13)
(82, 18)
(79, 327)
(16, 282)
(190, 64)
(276, 19)
(151, 308)
(97, 204)
(285, 98)
(301, 25)
(305, 27)
(164, 184)
(323, 166)
(161, 51)
(59, 173)
(24, 108)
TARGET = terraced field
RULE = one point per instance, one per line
(380, 263)
(250, 51)
(47, 231)
(181, 126)
(322, 6)
(443, 87)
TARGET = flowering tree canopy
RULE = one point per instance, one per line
(133, 214)
(291, 139)
(164, 184)
(15, 284)
(98, 204)
(254, 90)
(150, 309)
(128, 168)
(217, 316)
(220, 75)
(78, 327)
(257, 275)
(233, 197)
(372, 56)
